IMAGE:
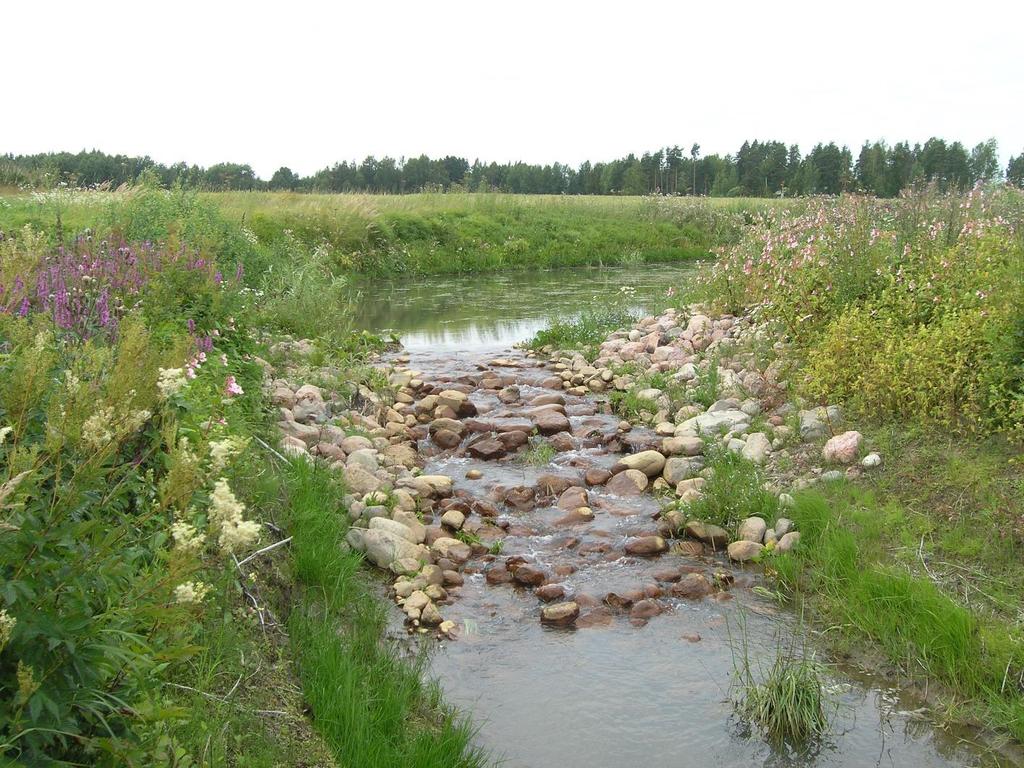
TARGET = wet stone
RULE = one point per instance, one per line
(560, 614)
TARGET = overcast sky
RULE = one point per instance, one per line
(306, 84)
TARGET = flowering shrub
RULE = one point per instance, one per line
(86, 289)
(119, 426)
(910, 308)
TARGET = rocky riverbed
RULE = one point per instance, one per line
(609, 490)
(524, 502)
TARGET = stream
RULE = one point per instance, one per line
(616, 689)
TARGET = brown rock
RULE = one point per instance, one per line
(668, 574)
(446, 438)
(487, 450)
(498, 574)
(597, 476)
(645, 609)
(710, 534)
(692, 586)
(573, 498)
(630, 482)
(513, 439)
(688, 548)
(599, 617)
(744, 551)
(646, 546)
(531, 575)
(521, 497)
(549, 592)
(554, 485)
(550, 422)
(562, 442)
(560, 614)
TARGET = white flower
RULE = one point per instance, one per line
(7, 623)
(4, 432)
(238, 534)
(191, 592)
(171, 381)
(186, 537)
(226, 517)
(97, 430)
(222, 451)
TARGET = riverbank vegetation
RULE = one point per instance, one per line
(909, 314)
(757, 168)
(168, 584)
(303, 238)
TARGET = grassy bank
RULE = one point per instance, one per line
(909, 315)
(450, 233)
(140, 621)
(439, 233)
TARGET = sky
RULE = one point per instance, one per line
(304, 85)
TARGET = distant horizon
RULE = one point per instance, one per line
(1005, 154)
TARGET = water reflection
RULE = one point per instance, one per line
(496, 310)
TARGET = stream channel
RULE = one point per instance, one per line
(611, 691)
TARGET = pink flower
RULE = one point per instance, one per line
(231, 387)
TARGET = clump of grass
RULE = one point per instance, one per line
(706, 391)
(584, 332)
(788, 702)
(734, 491)
(539, 452)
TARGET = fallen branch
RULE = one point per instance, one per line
(258, 552)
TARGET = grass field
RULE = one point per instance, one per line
(445, 233)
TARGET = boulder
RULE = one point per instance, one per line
(743, 551)
(649, 462)
(843, 449)
(756, 448)
(550, 422)
(646, 546)
(631, 482)
(788, 542)
(573, 498)
(819, 422)
(714, 422)
(684, 445)
(549, 592)
(752, 529)
(393, 526)
(530, 575)
(384, 547)
(355, 443)
(692, 586)
(358, 480)
(488, 449)
(709, 534)
(453, 519)
(451, 549)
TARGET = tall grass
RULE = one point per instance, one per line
(371, 704)
(842, 566)
(733, 492)
(451, 233)
(787, 701)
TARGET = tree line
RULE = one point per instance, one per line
(758, 168)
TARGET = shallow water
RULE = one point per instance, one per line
(613, 694)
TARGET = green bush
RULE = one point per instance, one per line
(910, 308)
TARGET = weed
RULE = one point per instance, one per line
(733, 491)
